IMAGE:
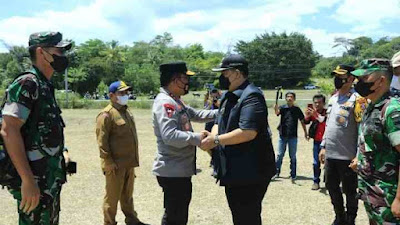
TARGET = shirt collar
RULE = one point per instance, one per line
(378, 103)
(167, 92)
(39, 74)
(382, 99)
(286, 106)
(238, 92)
(119, 107)
(348, 94)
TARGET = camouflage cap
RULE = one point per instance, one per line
(49, 39)
(368, 66)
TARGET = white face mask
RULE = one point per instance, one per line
(123, 100)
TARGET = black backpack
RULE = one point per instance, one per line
(312, 131)
(8, 174)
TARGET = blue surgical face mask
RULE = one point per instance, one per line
(123, 100)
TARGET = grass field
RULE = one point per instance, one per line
(195, 98)
(285, 203)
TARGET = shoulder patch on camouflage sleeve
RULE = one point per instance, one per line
(169, 109)
(395, 116)
(24, 90)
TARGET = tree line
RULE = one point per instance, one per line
(274, 59)
(355, 50)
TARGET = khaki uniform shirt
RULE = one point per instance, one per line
(117, 137)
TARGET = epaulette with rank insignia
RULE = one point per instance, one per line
(105, 111)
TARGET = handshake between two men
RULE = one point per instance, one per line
(207, 141)
(211, 139)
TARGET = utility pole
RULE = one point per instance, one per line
(66, 87)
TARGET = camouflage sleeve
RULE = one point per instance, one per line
(393, 122)
(22, 94)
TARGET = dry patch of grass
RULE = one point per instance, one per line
(285, 203)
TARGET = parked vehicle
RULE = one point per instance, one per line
(310, 87)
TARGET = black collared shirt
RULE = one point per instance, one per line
(253, 112)
(290, 115)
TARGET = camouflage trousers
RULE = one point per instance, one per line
(381, 215)
(47, 212)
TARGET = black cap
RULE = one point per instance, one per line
(232, 61)
(176, 67)
(343, 69)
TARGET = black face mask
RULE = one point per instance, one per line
(364, 88)
(59, 64)
(185, 87)
(224, 82)
(339, 82)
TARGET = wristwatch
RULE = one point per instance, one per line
(216, 139)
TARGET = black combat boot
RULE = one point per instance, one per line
(340, 219)
(351, 217)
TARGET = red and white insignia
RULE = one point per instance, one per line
(169, 109)
(105, 114)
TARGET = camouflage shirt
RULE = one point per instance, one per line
(31, 99)
(378, 160)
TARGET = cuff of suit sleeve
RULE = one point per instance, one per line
(322, 144)
(196, 139)
(108, 161)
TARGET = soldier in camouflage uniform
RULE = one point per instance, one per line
(32, 130)
(379, 143)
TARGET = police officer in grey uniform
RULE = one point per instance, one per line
(175, 162)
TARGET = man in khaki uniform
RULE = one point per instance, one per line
(118, 145)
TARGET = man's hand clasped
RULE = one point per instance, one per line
(208, 141)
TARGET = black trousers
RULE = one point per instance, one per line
(177, 196)
(245, 203)
(336, 172)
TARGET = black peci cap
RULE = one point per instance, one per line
(176, 67)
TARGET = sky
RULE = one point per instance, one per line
(217, 25)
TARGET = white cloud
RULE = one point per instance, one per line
(368, 15)
(217, 29)
(230, 25)
(323, 41)
(104, 19)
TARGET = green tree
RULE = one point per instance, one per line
(114, 61)
(343, 42)
(359, 44)
(76, 77)
(325, 66)
(102, 88)
(383, 50)
(278, 59)
(143, 79)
